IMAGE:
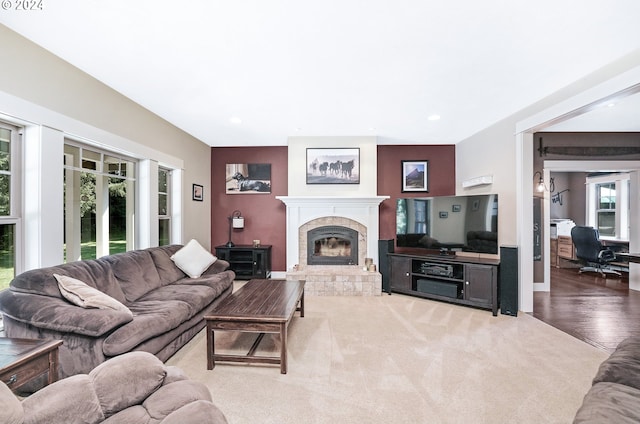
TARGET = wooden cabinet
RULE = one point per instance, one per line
(553, 252)
(400, 270)
(480, 284)
(467, 281)
(247, 261)
(565, 247)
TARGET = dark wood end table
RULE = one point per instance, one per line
(23, 360)
(260, 306)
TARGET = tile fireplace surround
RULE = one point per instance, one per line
(359, 213)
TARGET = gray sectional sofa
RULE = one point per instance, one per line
(614, 396)
(163, 307)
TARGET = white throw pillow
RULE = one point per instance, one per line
(81, 294)
(193, 259)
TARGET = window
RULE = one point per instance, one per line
(99, 189)
(421, 213)
(418, 213)
(9, 202)
(164, 206)
(608, 205)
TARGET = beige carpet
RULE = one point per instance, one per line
(400, 359)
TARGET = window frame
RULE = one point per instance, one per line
(168, 215)
(621, 182)
(14, 217)
(99, 156)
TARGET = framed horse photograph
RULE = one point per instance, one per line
(333, 166)
(248, 178)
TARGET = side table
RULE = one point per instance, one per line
(23, 360)
(247, 261)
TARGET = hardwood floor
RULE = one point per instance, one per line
(599, 311)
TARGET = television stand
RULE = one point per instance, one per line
(455, 279)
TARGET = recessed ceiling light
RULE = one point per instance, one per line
(235, 120)
(434, 117)
(611, 104)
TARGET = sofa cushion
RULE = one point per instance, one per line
(609, 403)
(195, 296)
(80, 294)
(175, 395)
(96, 273)
(200, 411)
(11, 411)
(167, 269)
(137, 375)
(623, 365)
(57, 315)
(136, 273)
(134, 414)
(51, 404)
(193, 259)
(150, 318)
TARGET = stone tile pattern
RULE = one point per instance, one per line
(336, 280)
(342, 280)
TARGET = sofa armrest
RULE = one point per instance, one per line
(59, 315)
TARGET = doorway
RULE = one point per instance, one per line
(578, 108)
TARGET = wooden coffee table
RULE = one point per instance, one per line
(23, 360)
(260, 306)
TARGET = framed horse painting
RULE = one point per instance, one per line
(333, 166)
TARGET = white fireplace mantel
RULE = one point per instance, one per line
(302, 209)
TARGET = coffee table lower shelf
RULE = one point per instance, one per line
(260, 306)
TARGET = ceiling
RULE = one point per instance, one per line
(334, 67)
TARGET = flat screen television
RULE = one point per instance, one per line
(456, 223)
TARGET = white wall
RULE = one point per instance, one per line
(41, 90)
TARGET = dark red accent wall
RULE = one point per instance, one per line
(441, 178)
(265, 216)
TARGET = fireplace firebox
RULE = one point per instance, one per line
(332, 245)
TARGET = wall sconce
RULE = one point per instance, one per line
(235, 221)
(540, 187)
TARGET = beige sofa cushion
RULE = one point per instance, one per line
(136, 375)
(83, 295)
(11, 411)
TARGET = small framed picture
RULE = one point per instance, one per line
(456, 208)
(444, 214)
(414, 175)
(198, 192)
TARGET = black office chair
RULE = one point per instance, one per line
(591, 252)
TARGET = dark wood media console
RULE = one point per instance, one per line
(462, 280)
